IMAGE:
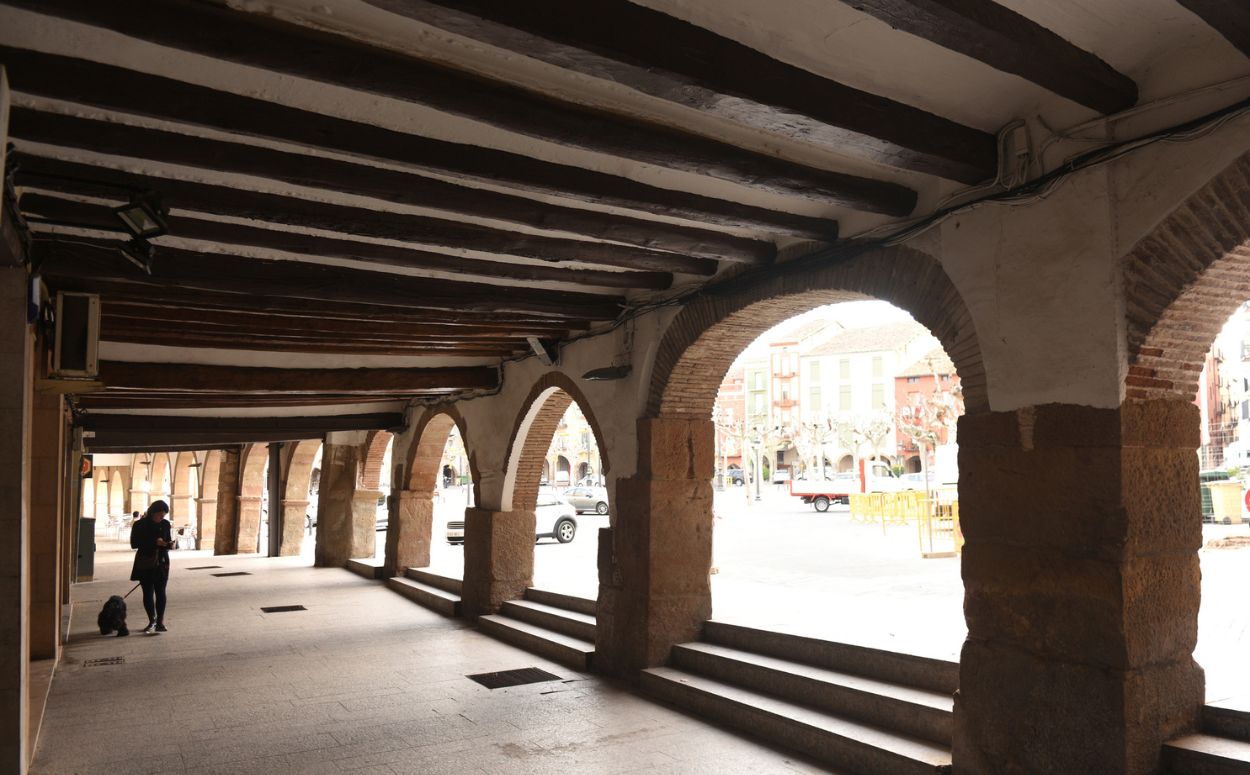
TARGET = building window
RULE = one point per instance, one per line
(912, 380)
(814, 371)
(844, 398)
(814, 397)
(878, 396)
(878, 367)
(844, 369)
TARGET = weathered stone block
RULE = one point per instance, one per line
(498, 558)
(410, 532)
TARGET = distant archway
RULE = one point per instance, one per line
(297, 505)
(252, 487)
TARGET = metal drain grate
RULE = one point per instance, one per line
(525, 675)
(233, 573)
(104, 661)
(204, 567)
(281, 609)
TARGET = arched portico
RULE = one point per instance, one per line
(206, 500)
(295, 495)
(182, 496)
(251, 494)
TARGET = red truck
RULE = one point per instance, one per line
(838, 488)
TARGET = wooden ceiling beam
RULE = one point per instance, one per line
(188, 318)
(116, 88)
(149, 440)
(255, 379)
(159, 423)
(1003, 39)
(171, 330)
(75, 178)
(266, 42)
(221, 233)
(320, 347)
(696, 68)
(1230, 18)
(107, 400)
(124, 291)
(175, 268)
(386, 184)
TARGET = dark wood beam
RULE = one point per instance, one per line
(109, 400)
(115, 88)
(175, 268)
(91, 446)
(267, 343)
(1005, 40)
(189, 318)
(72, 177)
(181, 423)
(125, 291)
(1230, 18)
(617, 40)
(148, 440)
(385, 184)
(61, 210)
(266, 42)
(253, 379)
(175, 326)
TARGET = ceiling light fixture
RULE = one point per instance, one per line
(608, 373)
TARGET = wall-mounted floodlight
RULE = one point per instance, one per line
(608, 373)
(144, 216)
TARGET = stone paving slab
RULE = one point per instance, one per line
(362, 682)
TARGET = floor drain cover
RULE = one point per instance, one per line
(526, 675)
(281, 609)
(233, 573)
(204, 567)
(104, 661)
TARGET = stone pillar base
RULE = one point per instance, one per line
(249, 524)
(409, 532)
(498, 559)
(294, 520)
(1081, 587)
(206, 522)
(654, 565)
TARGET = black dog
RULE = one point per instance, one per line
(113, 617)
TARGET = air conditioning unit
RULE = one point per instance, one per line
(76, 349)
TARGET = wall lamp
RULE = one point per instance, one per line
(608, 373)
(144, 216)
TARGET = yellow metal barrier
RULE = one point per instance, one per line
(936, 519)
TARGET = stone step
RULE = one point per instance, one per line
(368, 567)
(1223, 721)
(936, 675)
(442, 601)
(582, 605)
(846, 745)
(549, 617)
(915, 712)
(571, 652)
(1206, 755)
(445, 583)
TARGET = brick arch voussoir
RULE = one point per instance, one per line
(709, 333)
(425, 456)
(557, 392)
(371, 461)
(299, 470)
(1182, 282)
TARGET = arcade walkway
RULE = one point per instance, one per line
(363, 681)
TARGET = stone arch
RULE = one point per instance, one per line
(371, 464)
(846, 463)
(531, 437)
(295, 495)
(159, 479)
(102, 494)
(117, 494)
(206, 508)
(709, 333)
(182, 495)
(426, 453)
(252, 490)
(1182, 282)
(140, 487)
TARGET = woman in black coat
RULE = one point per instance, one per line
(151, 538)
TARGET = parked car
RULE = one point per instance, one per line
(588, 499)
(733, 476)
(551, 510)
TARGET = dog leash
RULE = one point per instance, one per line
(132, 589)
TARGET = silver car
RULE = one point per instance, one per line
(588, 499)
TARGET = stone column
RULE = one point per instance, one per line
(139, 500)
(46, 484)
(365, 522)
(205, 521)
(654, 583)
(226, 536)
(409, 533)
(15, 400)
(294, 520)
(1081, 587)
(337, 531)
(179, 508)
(498, 558)
(249, 524)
